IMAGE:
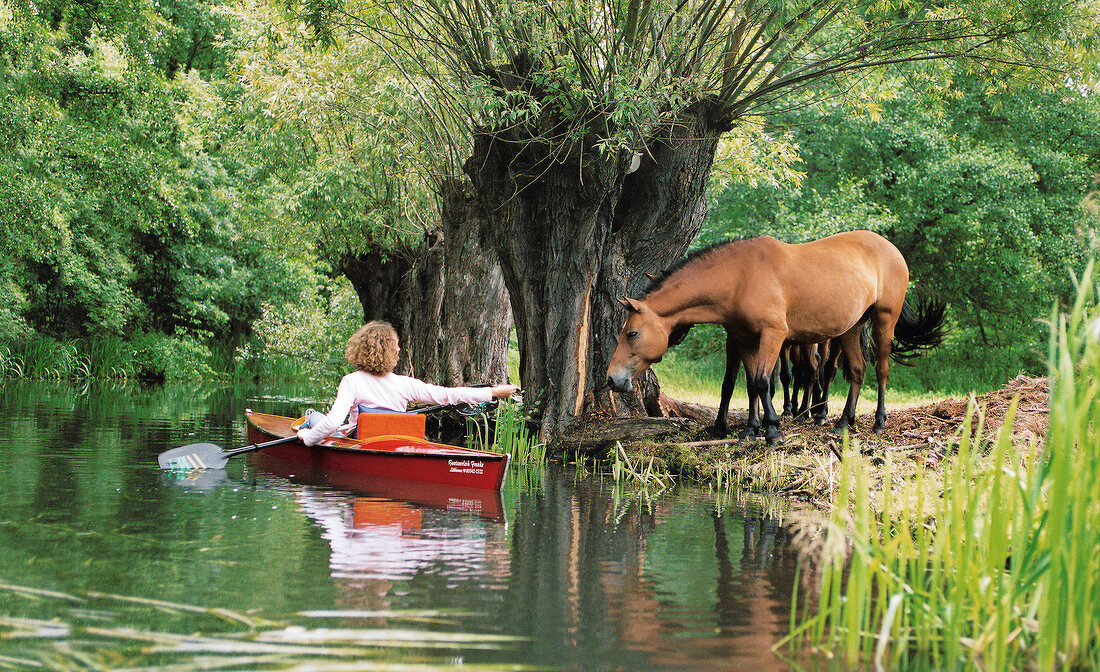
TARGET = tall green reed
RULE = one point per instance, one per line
(509, 434)
(43, 357)
(999, 571)
(645, 473)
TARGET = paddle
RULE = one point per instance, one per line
(208, 455)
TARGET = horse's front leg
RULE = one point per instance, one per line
(758, 369)
(721, 427)
(752, 427)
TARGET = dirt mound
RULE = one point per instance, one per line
(943, 418)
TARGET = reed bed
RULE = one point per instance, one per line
(509, 434)
(648, 475)
(995, 567)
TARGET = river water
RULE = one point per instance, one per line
(107, 562)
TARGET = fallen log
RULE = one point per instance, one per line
(599, 436)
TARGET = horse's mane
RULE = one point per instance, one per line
(695, 255)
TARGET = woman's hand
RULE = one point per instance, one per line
(504, 391)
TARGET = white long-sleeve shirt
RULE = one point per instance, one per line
(391, 392)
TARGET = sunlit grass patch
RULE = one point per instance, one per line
(699, 381)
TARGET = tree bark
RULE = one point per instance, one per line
(477, 318)
(574, 232)
(404, 286)
(445, 297)
(660, 211)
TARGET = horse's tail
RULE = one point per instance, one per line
(920, 326)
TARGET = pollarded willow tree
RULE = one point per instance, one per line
(595, 124)
(348, 171)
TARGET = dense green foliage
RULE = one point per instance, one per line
(980, 190)
(177, 179)
(120, 218)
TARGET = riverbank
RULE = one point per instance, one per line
(804, 465)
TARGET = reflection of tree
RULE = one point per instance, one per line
(582, 590)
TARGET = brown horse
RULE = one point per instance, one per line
(767, 293)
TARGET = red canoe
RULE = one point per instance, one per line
(389, 445)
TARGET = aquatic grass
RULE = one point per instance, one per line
(106, 356)
(509, 434)
(45, 358)
(995, 567)
(647, 474)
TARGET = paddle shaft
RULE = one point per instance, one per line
(208, 455)
(260, 446)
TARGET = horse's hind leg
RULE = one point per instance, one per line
(856, 367)
(819, 407)
(884, 341)
(790, 397)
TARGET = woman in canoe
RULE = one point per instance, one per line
(373, 351)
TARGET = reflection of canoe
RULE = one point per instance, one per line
(478, 501)
(408, 457)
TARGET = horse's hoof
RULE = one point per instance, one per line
(718, 432)
(772, 436)
(748, 433)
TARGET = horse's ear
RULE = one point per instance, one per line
(633, 305)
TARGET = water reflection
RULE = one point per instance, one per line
(679, 585)
(586, 577)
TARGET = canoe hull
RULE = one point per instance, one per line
(479, 502)
(396, 457)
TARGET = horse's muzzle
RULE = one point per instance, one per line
(619, 383)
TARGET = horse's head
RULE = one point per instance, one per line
(643, 341)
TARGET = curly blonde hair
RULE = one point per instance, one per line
(373, 348)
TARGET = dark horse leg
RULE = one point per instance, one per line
(759, 367)
(790, 397)
(883, 332)
(754, 404)
(805, 377)
(819, 406)
(856, 366)
(732, 362)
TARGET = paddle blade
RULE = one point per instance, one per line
(194, 456)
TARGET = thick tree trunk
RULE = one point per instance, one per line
(477, 318)
(575, 233)
(444, 296)
(661, 210)
(405, 288)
